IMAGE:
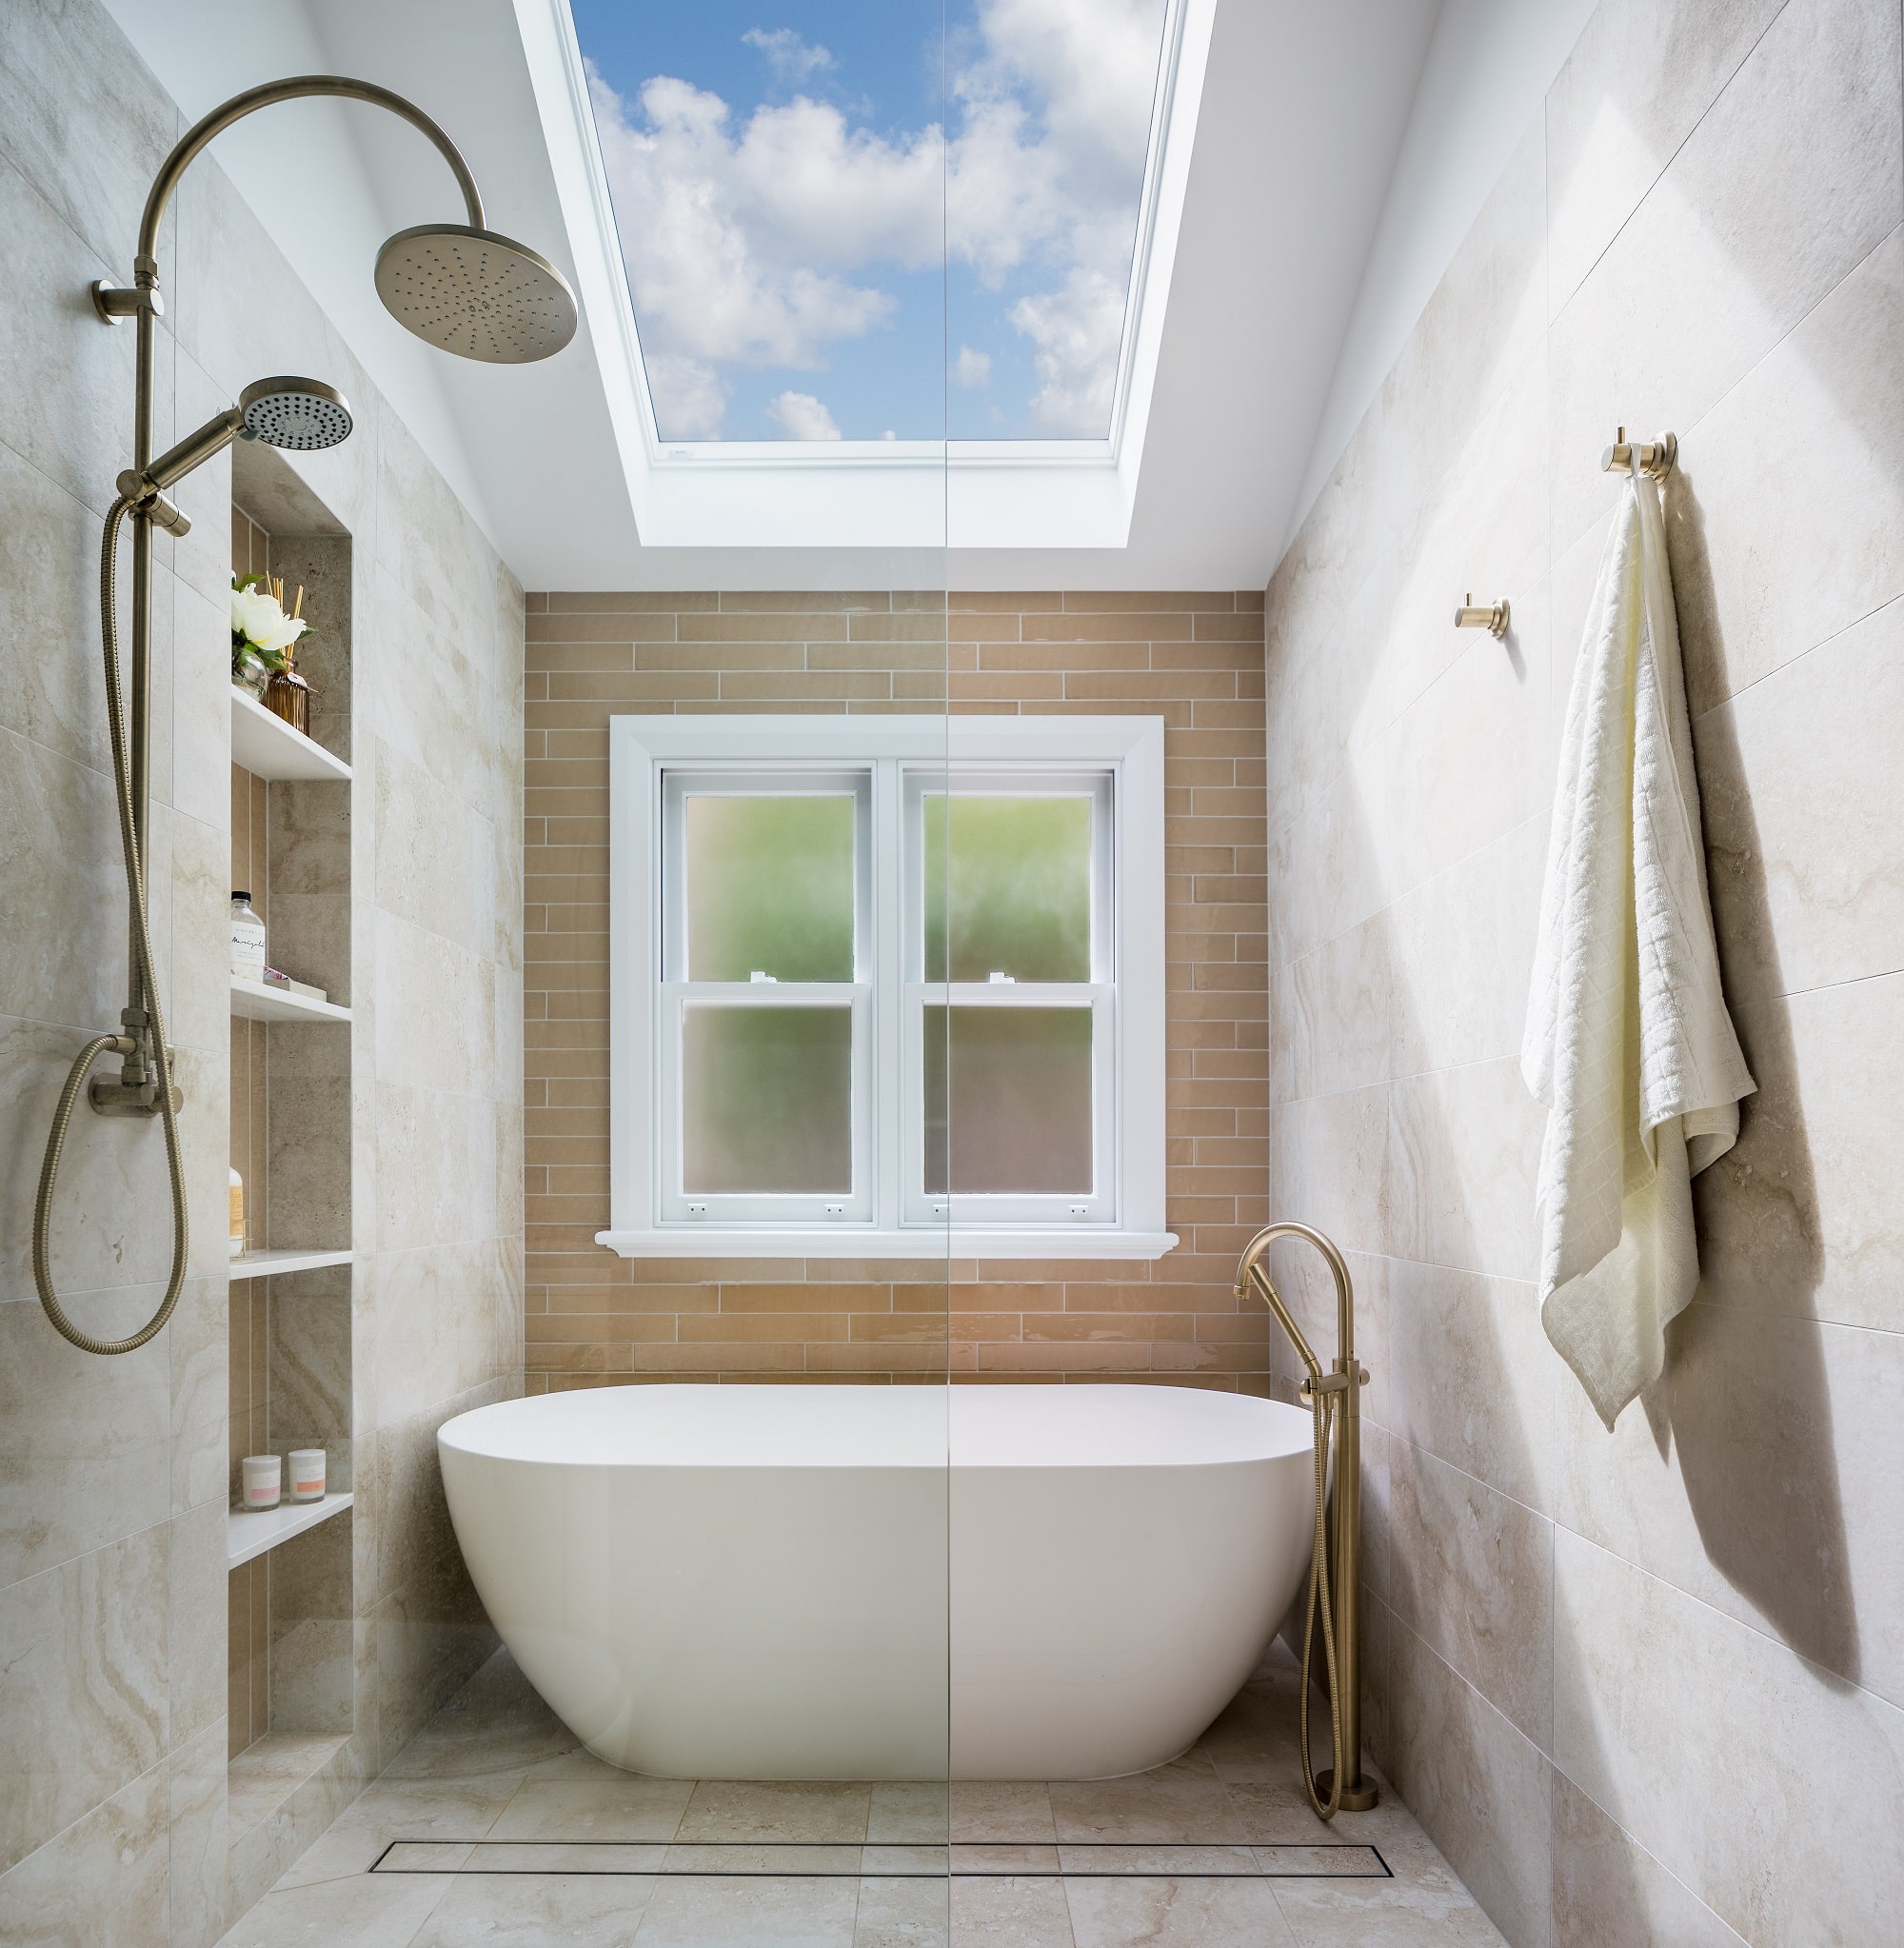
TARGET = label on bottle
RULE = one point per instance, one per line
(248, 947)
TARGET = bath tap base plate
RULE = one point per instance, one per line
(1356, 1798)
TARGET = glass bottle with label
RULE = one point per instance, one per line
(247, 939)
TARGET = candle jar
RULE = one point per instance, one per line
(307, 1473)
(264, 1481)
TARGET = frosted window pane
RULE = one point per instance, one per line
(767, 1099)
(1018, 1114)
(1010, 879)
(769, 887)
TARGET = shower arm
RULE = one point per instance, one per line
(1337, 1394)
(141, 302)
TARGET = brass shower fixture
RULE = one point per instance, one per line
(460, 286)
(1334, 1399)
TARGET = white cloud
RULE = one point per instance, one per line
(1075, 334)
(792, 59)
(759, 244)
(689, 398)
(971, 367)
(801, 416)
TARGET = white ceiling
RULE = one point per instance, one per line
(1302, 114)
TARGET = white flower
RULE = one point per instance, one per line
(261, 620)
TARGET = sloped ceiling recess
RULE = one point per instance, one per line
(1301, 113)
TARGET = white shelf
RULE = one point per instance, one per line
(249, 1536)
(265, 1264)
(267, 746)
(258, 1003)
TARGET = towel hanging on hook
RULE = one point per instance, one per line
(1653, 458)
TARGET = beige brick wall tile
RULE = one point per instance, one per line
(1195, 660)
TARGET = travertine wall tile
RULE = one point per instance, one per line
(1801, 1844)
(1719, 251)
(116, 1472)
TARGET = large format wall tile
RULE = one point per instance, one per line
(1638, 82)
(1761, 1478)
(1806, 1851)
(1787, 183)
(1475, 1378)
(1769, 561)
(1801, 1216)
(1478, 1786)
(1804, 850)
(83, 1441)
(83, 1668)
(1472, 1575)
(1610, 1893)
(106, 1879)
(1718, 236)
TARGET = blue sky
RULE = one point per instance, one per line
(784, 177)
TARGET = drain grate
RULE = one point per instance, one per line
(820, 1859)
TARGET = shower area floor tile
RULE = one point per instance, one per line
(495, 1826)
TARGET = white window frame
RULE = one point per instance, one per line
(1123, 1217)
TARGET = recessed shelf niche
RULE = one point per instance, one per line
(292, 1599)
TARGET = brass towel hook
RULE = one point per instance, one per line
(1493, 619)
(1653, 458)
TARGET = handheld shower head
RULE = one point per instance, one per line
(305, 415)
(478, 294)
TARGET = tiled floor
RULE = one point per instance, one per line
(495, 1828)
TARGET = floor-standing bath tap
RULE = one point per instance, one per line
(460, 286)
(1334, 1574)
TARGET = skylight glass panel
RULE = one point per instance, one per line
(901, 221)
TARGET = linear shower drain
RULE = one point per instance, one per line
(966, 1860)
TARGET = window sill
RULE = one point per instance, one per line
(856, 1240)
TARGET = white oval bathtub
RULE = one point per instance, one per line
(791, 1582)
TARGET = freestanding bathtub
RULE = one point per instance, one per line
(885, 1583)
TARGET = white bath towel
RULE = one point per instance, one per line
(1628, 1040)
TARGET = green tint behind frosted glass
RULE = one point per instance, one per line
(769, 887)
(766, 1098)
(1010, 879)
(1016, 1114)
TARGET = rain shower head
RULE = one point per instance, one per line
(303, 415)
(478, 294)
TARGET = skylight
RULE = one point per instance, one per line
(851, 222)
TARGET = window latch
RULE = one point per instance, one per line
(757, 977)
(1002, 980)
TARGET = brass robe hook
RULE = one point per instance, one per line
(1493, 619)
(1653, 458)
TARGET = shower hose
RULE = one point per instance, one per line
(1321, 1404)
(144, 983)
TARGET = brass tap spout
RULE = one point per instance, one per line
(1335, 1583)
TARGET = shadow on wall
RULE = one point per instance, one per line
(1745, 1399)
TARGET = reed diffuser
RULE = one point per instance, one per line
(288, 694)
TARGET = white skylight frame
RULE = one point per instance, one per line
(897, 494)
